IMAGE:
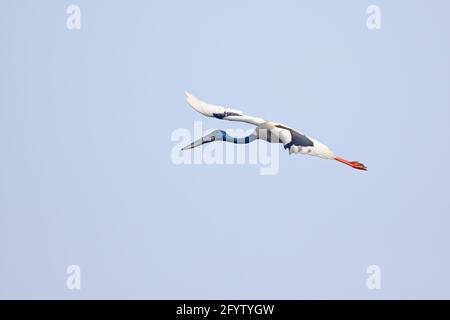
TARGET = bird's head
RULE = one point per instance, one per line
(216, 135)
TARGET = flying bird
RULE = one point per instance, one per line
(292, 140)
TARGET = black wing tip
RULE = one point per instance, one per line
(225, 114)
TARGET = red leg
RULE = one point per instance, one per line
(353, 164)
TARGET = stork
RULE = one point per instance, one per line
(273, 132)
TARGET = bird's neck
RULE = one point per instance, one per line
(242, 140)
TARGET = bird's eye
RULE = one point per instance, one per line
(213, 138)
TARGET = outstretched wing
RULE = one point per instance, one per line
(291, 137)
(219, 112)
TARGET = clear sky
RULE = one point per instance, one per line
(86, 176)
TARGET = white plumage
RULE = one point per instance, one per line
(229, 114)
(292, 140)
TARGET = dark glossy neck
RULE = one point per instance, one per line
(242, 140)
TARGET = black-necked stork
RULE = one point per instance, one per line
(294, 141)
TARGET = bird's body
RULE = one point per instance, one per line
(273, 132)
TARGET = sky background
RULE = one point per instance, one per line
(86, 175)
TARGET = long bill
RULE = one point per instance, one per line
(199, 142)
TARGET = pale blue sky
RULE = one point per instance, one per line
(86, 176)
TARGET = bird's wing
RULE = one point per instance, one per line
(289, 137)
(219, 112)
